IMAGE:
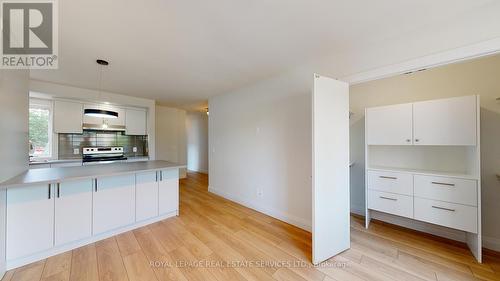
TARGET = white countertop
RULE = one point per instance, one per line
(55, 175)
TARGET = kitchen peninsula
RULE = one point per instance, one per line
(53, 210)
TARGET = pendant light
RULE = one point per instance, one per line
(100, 113)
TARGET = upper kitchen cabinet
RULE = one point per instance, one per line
(446, 121)
(68, 117)
(389, 125)
(135, 122)
(120, 121)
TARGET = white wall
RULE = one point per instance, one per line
(197, 141)
(260, 139)
(62, 91)
(476, 77)
(14, 89)
(171, 136)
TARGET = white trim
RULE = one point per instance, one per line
(358, 210)
(283, 216)
(491, 243)
(472, 51)
(11, 264)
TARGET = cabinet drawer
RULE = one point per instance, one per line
(400, 183)
(396, 204)
(446, 214)
(451, 190)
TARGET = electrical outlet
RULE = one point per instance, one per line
(260, 192)
(134, 149)
(76, 151)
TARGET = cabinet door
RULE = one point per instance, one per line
(73, 220)
(30, 220)
(445, 122)
(68, 117)
(389, 125)
(114, 203)
(135, 122)
(146, 195)
(168, 197)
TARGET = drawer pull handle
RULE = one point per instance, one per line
(386, 177)
(444, 209)
(387, 198)
(443, 183)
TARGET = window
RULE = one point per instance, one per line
(40, 129)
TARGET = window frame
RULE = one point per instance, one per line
(45, 104)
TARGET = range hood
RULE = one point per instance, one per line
(103, 127)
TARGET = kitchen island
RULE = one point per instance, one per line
(53, 210)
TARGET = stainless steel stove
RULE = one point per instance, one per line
(102, 155)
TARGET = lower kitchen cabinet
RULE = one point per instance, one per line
(73, 211)
(146, 195)
(114, 202)
(30, 220)
(168, 195)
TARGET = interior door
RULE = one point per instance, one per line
(330, 175)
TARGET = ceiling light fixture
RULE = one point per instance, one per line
(100, 113)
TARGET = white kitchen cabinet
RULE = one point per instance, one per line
(389, 125)
(168, 194)
(114, 202)
(68, 117)
(135, 122)
(73, 211)
(30, 220)
(146, 195)
(445, 121)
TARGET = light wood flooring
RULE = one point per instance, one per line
(213, 230)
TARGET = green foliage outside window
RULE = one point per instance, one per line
(39, 131)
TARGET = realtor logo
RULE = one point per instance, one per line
(29, 35)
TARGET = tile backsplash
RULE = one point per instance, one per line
(67, 143)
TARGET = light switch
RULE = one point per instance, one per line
(76, 151)
(134, 149)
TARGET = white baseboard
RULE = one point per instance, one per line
(280, 215)
(491, 243)
(11, 264)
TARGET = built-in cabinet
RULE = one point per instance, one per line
(114, 202)
(73, 211)
(135, 122)
(168, 195)
(436, 122)
(30, 220)
(50, 218)
(68, 117)
(147, 195)
(389, 125)
(423, 163)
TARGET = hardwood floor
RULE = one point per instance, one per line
(218, 232)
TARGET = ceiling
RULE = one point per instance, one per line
(182, 52)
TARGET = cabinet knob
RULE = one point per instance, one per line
(417, 140)
(408, 140)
